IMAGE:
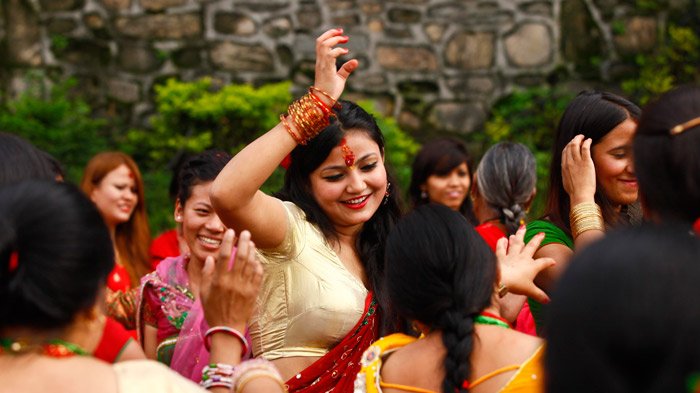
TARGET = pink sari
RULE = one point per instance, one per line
(179, 318)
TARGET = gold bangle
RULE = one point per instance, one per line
(584, 217)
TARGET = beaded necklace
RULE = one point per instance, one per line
(486, 318)
(55, 348)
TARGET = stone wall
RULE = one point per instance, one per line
(433, 64)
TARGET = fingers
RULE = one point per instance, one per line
(224, 256)
(516, 241)
(538, 294)
(347, 68)
(532, 246)
(501, 248)
(586, 149)
(242, 251)
(328, 34)
(544, 263)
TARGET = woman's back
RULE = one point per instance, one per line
(419, 364)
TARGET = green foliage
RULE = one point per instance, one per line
(530, 117)
(401, 148)
(56, 122)
(193, 116)
(675, 61)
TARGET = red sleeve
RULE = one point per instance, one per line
(114, 339)
(164, 246)
(151, 307)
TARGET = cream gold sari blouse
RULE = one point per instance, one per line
(309, 301)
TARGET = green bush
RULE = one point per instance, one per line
(401, 148)
(530, 117)
(56, 122)
(674, 62)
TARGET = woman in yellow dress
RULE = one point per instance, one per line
(444, 282)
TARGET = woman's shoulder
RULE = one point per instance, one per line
(552, 233)
(148, 376)
(368, 379)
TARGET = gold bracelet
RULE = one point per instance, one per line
(584, 217)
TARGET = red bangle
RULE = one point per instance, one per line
(231, 332)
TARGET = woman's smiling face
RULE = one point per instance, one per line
(350, 195)
(614, 164)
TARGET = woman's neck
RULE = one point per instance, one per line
(194, 274)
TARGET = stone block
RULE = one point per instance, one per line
(85, 53)
(639, 35)
(371, 7)
(277, 27)
(530, 45)
(116, 5)
(138, 58)
(346, 21)
(470, 14)
(61, 5)
(23, 37)
(123, 91)
(94, 21)
(470, 86)
(234, 23)
(61, 25)
(159, 26)
(404, 15)
(187, 57)
(543, 8)
(457, 117)
(160, 5)
(309, 16)
(375, 25)
(239, 57)
(340, 5)
(406, 58)
(470, 50)
(434, 31)
(263, 5)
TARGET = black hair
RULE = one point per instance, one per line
(297, 188)
(20, 160)
(63, 252)
(667, 166)
(624, 316)
(440, 157)
(593, 114)
(439, 271)
(198, 169)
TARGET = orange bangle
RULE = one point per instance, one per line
(294, 136)
(334, 101)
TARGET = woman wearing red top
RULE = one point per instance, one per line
(113, 182)
(504, 186)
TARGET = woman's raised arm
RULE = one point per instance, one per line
(236, 194)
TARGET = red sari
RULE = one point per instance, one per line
(336, 370)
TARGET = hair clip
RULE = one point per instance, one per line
(679, 129)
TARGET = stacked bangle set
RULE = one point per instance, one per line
(584, 217)
(309, 114)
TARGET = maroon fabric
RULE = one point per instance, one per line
(336, 371)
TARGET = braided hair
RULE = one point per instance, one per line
(440, 272)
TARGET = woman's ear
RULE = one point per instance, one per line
(179, 211)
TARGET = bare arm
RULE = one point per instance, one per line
(562, 255)
(150, 341)
(579, 179)
(236, 194)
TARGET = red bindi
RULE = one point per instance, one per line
(348, 154)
